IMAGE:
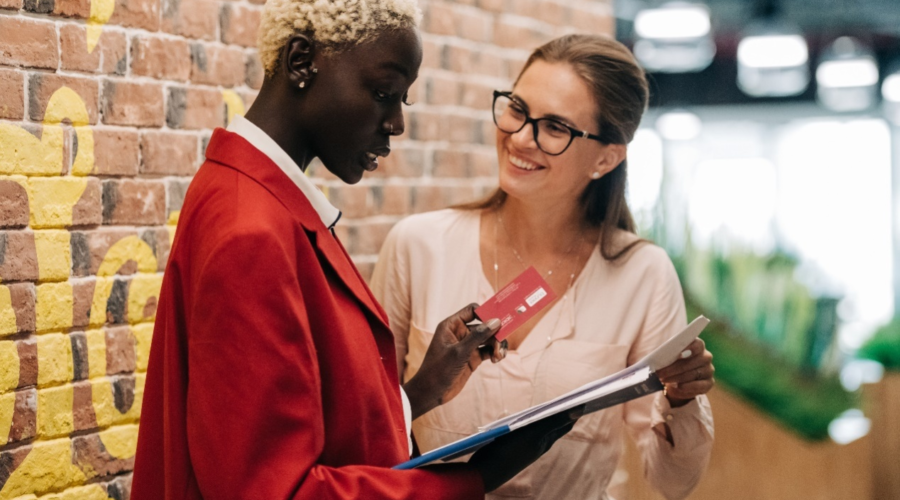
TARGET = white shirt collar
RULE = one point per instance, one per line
(265, 144)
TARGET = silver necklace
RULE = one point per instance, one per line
(522, 262)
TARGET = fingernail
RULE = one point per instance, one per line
(493, 324)
(686, 354)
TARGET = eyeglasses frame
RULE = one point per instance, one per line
(573, 132)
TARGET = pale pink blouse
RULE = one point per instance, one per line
(430, 267)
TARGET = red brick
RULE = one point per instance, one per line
(11, 4)
(450, 163)
(23, 297)
(12, 88)
(424, 125)
(88, 210)
(593, 20)
(116, 152)
(492, 5)
(41, 87)
(24, 421)
(158, 240)
(406, 161)
(83, 416)
(18, 256)
(110, 50)
(13, 204)
(71, 8)
(519, 34)
(89, 454)
(240, 24)
(254, 70)
(458, 59)
(427, 198)
(168, 153)
(477, 95)
(82, 298)
(195, 108)
(217, 65)
(120, 355)
(370, 236)
(137, 14)
(486, 63)
(461, 129)
(136, 104)
(555, 13)
(473, 25)
(175, 189)
(365, 266)
(141, 202)
(442, 90)
(191, 18)
(438, 19)
(483, 163)
(392, 199)
(28, 43)
(161, 58)
(432, 53)
(89, 248)
(353, 201)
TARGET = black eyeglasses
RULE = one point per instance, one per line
(551, 136)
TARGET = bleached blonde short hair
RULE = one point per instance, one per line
(332, 24)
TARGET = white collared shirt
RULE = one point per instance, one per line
(327, 212)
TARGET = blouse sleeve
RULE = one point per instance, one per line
(672, 468)
(391, 287)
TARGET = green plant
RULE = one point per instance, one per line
(884, 346)
(802, 401)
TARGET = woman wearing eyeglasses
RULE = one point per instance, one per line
(562, 133)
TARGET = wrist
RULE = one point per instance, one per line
(421, 397)
(676, 402)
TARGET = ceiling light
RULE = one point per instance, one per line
(847, 76)
(679, 126)
(773, 62)
(673, 21)
(674, 38)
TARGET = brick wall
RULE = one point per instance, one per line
(105, 109)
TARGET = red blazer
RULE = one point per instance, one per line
(272, 370)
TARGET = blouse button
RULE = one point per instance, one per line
(669, 417)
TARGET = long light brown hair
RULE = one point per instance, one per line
(620, 90)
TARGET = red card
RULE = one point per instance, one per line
(517, 302)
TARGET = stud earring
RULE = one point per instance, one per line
(595, 175)
(302, 84)
(315, 70)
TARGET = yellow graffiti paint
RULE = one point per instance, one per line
(143, 334)
(102, 399)
(47, 468)
(7, 313)
(234, 105)
(128, 248)
(9, 367)
(142, 289)
(53, 308)
(96, 344)
(23, 153)
(53, 200)
(173, 223)
(54, 353)
(54, 411)
(121, 441)
(92, 492)
(7, 409)
(101, 11)
(102, 290)
(105, 406)
(54, 255)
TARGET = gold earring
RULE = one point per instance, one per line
(595, 175)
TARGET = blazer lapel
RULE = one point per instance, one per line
(231, 150)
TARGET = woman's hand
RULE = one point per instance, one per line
(690, 376)
(451, 358)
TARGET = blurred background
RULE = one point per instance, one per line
(768, 166)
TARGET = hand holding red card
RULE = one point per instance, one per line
(517, 302)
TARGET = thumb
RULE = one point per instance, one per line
(480, 334)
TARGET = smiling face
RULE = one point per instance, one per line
(353, 104)
(553, 90)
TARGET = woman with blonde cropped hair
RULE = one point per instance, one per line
(272, 370)
(562, 134)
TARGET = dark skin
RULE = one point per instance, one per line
(348, 108)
